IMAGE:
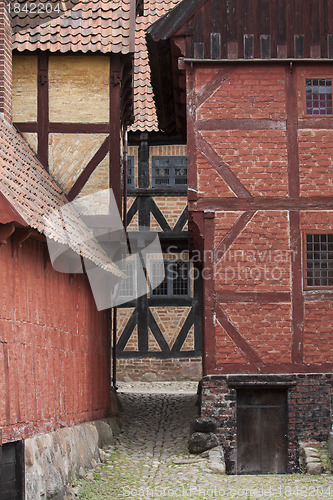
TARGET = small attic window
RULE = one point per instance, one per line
(318, 96)
(139, 7)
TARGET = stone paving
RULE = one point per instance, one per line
(150, 457)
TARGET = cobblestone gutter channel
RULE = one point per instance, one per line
(150, 458)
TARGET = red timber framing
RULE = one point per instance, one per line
(120, 114)
(245, 206)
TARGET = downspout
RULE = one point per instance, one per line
(114, 315)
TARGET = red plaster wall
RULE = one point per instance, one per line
(54, 346)
(245, 121)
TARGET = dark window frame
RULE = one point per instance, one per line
(170, 281)
(318, 96)
(131, 278)
(316, 251)
(169, 163)
(131, 171)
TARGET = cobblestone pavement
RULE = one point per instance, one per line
(150, 458)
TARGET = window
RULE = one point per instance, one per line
(319, 260)
(318, 96)
(128, 284)
(169, 171)
(176, 282)
(130, 171)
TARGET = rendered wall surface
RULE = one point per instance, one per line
(54, 355)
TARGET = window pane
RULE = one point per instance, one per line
(180, 278)
(127, 287)
(318, 96)
(130, 171)
(319, 261)
(169, 171)
(158, 270)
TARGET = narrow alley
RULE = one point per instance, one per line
(150, 458)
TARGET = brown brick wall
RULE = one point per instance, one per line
(252, 147)
(309, 404)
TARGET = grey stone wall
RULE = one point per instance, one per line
(52, 460)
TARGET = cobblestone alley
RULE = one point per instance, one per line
(150, 457)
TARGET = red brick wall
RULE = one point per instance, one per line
(5, 63)
(255, 161)
(54, 349)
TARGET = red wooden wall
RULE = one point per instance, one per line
(54, 346)
(260, 177)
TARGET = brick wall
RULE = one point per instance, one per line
(5, 64)
(309, 407)
(148, 369)
(54, 349)
(257, 160)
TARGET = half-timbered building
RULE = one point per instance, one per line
(257, 75)
(55, 344)
(159, 334)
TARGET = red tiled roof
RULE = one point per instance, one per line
(32, 194)
(99, 26)
(89, 26)
(144, 105)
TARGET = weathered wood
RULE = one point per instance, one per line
(292, 134)
(221, 168)
(230, 329)
(297, 294)
(88, 170)
(232, 234)
(209, 302)
(43, 110)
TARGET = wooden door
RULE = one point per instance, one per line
(262, 427)
(12, 471)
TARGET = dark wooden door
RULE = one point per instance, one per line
(12, 471)
(262, 427)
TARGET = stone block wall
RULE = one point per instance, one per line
(148, 369)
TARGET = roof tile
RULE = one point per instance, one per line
(34, 194)
(111, 20)
(144, 105)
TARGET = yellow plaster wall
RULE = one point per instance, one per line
(79, 88)
(24, 88)
(69, 154)
(32, 140)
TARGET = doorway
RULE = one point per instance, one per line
(12, 471)
(262, 429)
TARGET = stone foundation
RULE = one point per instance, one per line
(53, 460)
(157, 370)
(309, 409)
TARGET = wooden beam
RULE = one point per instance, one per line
(89, 169)
(6, 230)
(292, 133)
(241, 124)
(43, 110)
(221, 168)
(232, 234)
(258, 297)
(237, 338)
(209, 303)
(116, 72)
(262, 203)
(192, 181)
(297, 288)
(212, 86)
